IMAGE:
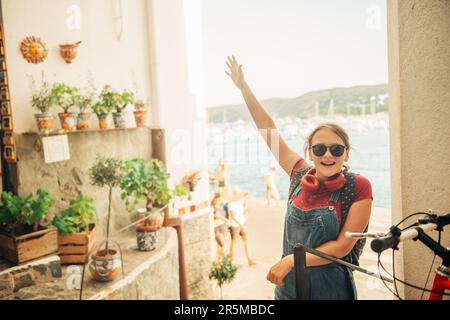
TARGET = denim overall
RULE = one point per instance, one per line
(313, 228)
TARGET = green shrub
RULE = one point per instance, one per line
(77, 217)
(16, 211)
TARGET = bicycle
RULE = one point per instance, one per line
(382, 242)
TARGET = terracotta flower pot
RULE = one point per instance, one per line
(83, 121)
(68, 121)
(140, 116)
(104, 267)
(102, 121)
(69, 51)
(147, 237)
(44, 122)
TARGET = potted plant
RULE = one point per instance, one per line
(65, 97)
(22, 234)
(148, 182)
(101, 111)
(223, 271)
(76, 230)
(41, 99)
(114, 100)
(106, 263)
(140, 113)
(85, 102)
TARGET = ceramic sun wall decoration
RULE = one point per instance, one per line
(69, 51)
(33, 49)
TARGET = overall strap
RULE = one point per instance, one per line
(348, 194)
(334, 197)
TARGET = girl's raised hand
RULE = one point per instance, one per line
(235, 71)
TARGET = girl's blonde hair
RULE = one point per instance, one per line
(333, 127)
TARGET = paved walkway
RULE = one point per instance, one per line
(265, 227)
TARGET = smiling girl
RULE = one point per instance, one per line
(325, 201)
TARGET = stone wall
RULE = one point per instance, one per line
(67, 179)
(13, 279)
(197, 238)
(149, 275)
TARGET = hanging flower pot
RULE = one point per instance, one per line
(147, 237)
(104, 267)
(140, 116)
(69, 51)
(44, 122)
(68, 121)
(120, 119)
(83, 121)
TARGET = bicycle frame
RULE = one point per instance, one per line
(416, 232)
(440, 284)
(441, 280)
(300, 269)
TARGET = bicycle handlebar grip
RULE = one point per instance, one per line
(381, 244)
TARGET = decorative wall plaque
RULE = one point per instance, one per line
(33, 49)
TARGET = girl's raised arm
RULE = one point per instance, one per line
(285, 156)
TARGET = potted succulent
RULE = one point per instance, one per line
(65, 97)
(76, 230)
(106, 263)
(140, 113)
(85, 102)
(22, 234)
(223, 271)
(148, 182)
(41, 99)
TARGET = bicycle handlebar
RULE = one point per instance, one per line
(392, 240)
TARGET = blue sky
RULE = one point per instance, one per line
(290, 47)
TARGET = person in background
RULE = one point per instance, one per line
(221, 224)
(222, 179)
(237, 213)
(271, 188)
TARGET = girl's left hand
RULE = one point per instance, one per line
(280, 270)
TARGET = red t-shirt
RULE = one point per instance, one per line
(308, 201)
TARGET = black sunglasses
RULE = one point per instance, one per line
(336, 150)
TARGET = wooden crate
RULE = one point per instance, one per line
(29, 246)
(73, 248)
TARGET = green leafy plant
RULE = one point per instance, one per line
(139, 104)
(100, 109)
(77, 217)
(16, 211)
(147, 181)
(64, 96)
(111, 99)
(41, 98)
(106, 172)
(223, 271)
(85, 97)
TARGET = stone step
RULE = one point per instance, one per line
(37, 272)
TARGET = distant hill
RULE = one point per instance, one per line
(355, 98)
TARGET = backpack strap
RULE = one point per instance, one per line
(348, 194)
(295, 179)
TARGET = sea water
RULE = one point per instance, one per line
(248, 158)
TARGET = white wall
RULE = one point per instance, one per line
(110, 61)
(153, 51)
(178, 78)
